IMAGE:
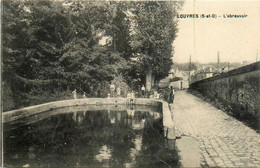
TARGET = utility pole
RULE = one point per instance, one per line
(218, 61)
(190, 69)
(256, 56)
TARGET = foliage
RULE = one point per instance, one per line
(186, 66)
(120, 82)
(54, 46)
(153, 35)
(165, 93)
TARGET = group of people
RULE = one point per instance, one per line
(154, 95)
(116, 92)
(74, 94)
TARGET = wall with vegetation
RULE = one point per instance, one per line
(237, 90)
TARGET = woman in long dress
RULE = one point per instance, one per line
(74, 94)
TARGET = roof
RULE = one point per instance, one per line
(209, 69)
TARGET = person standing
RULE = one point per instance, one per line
(74, 94)
(143, 90)
(171, 96)
(118, 91)
(128, 95)
(84, 95)
(132, 94)
(112, 90)
(173, 92)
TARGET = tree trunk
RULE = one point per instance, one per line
(148, 83)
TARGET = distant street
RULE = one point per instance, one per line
(224, 141)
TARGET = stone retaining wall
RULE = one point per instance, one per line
(32, 110)
(238, 90)
(27, 111)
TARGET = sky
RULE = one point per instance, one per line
(236, 39)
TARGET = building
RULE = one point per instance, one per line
(183, 82)
(203, 73)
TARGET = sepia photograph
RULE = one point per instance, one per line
(134, 84)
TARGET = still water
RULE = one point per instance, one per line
(90, 138)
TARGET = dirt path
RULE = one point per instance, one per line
(224, 141)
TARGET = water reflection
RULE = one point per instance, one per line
(105, 138)
(78, 117)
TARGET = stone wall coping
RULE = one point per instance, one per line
(245, 69)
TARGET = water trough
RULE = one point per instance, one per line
(168, 124)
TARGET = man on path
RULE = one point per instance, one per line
(173, 92)
(171, 96)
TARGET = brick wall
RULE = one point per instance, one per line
(237, 90)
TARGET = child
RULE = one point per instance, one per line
(84, 95)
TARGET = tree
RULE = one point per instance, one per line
(54, 46)
(86, 61)
(154, 30)
(34, 34)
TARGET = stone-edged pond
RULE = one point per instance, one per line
(90, 136)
